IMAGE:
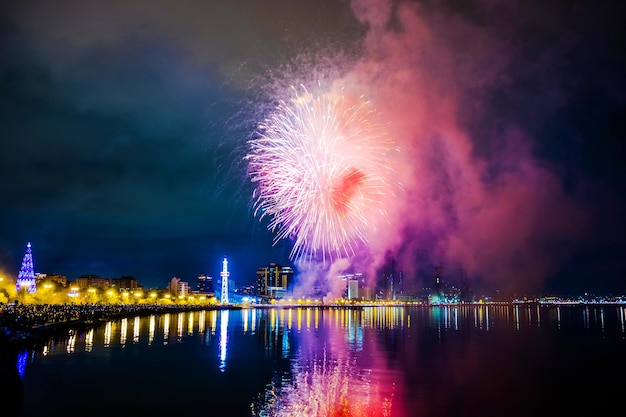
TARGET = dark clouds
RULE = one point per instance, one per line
(118, 155)
(123, 127)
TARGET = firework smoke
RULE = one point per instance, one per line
(321, 165)
(475, 197)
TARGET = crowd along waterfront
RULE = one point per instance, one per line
(460, 360)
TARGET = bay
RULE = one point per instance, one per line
(395, 361)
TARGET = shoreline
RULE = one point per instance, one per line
(21, 336)
(25, 326)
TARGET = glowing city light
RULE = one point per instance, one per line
(26, 276)
(223, 341)
(224, 274)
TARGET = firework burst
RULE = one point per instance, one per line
(321, 169)
(326, 390)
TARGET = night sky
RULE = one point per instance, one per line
(124, 126)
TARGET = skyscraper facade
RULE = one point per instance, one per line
(204, 284)
(273, 281)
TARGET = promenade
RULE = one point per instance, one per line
(24, 324)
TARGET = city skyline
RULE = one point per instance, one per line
(383, 286)
(125, 139)
(27, 274)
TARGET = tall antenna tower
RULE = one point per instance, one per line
(224, 274)
(26, 276)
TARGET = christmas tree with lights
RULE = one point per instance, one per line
(26, 276)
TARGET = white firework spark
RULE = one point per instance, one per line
(321, 165)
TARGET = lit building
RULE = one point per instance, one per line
(437, 295)
(392, 279)
(466, 294)
(26, 277)
(355, 286)
(55, 279)
(353, 289)
(87, 281)
(126, 283)
(204, 283)
(178, 287)
(94, 281)
(273, 280)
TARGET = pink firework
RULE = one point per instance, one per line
(321, 165)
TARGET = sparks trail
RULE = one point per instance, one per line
(321, 165)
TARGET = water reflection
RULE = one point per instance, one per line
(71, 342)
(124, 329)
(201, 322)
(136, 330)
(151, 330)
(166, 328)
(354, 362)
(179, 326)
(89, 340)
(22, 359)
(327, 376)
(278, 325)
(108, 329)
(223, 338)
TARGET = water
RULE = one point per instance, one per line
(409, 361)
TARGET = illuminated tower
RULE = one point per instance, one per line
(224, 274)
(26, 276)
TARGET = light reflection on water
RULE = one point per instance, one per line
(391, 361)
(223, 338)
(352, 322)
(326, 378)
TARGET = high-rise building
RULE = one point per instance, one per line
(393, 285)
(354, 286)
(438, 293)
(178, 287)
(466, 293)
(204, 284)
(26, 277)
(273, 281)
(353, 289)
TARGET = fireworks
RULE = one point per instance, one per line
(321, 167)
(328, 388)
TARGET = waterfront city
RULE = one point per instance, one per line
(33, 304)
(325, 356)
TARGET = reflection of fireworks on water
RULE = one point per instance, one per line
(326, 389)
(321, 168)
